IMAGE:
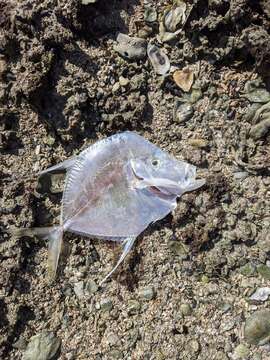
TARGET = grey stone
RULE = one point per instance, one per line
(241, 352)
(257, 328)
(185, 309)
(43, 346)
(78, 289)
(133, 307)
(148, 293)
(106, 304)
(130, 47)
(91, 287)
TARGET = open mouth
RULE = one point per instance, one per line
(158, 191)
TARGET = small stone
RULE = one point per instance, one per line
(194, 346)
(248, 269)
(255, 92)
(123, 81)
(240, 175)
(264, 271)
(257, 328)
(43, 346)
(133, 307)
(182, 111)
(116, 87)
(225, 307)
(106, 305)
(78, 289)
(87, 2)
(20, 344)
(57, 183)
(148, 293)
(241, 352)
(179, 249)
(184, 79)
(3, 67)
(196, 94)
(49, 140)
(115, 354)
(261, 294)
(185, 309)
(204, 279)
(91, 287)
(198, 143)
(261, 129)
(145, 32)
(257, 357)
(150, 14)
(130, 47)
(113, 339)
(221, 356)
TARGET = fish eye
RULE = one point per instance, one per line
(155, 162)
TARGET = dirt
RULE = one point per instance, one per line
(57, 72)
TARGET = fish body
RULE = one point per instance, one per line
(114, 189)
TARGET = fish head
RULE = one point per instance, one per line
(161, 172)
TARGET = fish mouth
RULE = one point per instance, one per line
(164, 194)
(157, 191)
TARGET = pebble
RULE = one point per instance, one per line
(20, 344)
(179, 249)
(116, 87)
(204, 279)
(185, 309)
(259, 130)
(43, 346)
(182, 111)
(133, 307)
(87, 2)
(57, 183)
(3, 67)
(131, 47)
(91, 287)
(113, 339)
(106, 304)
(248, 269)
(123, 81)
(261, 294)
(115, 354)
(255, 91)
(198, 143)
(257, 327)
(241, 352)
(148, 293)
(194, 346)
(78, 289)
(150, 14)
(257, 357)
(184, 79)
(49, 140)
(264, 271)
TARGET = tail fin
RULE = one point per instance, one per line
(54, 235)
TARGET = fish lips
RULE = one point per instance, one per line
(161, 187)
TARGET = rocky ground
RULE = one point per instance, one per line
(196, 285)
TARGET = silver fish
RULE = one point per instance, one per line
(114, 189)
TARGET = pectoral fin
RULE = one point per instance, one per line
(65, 165)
